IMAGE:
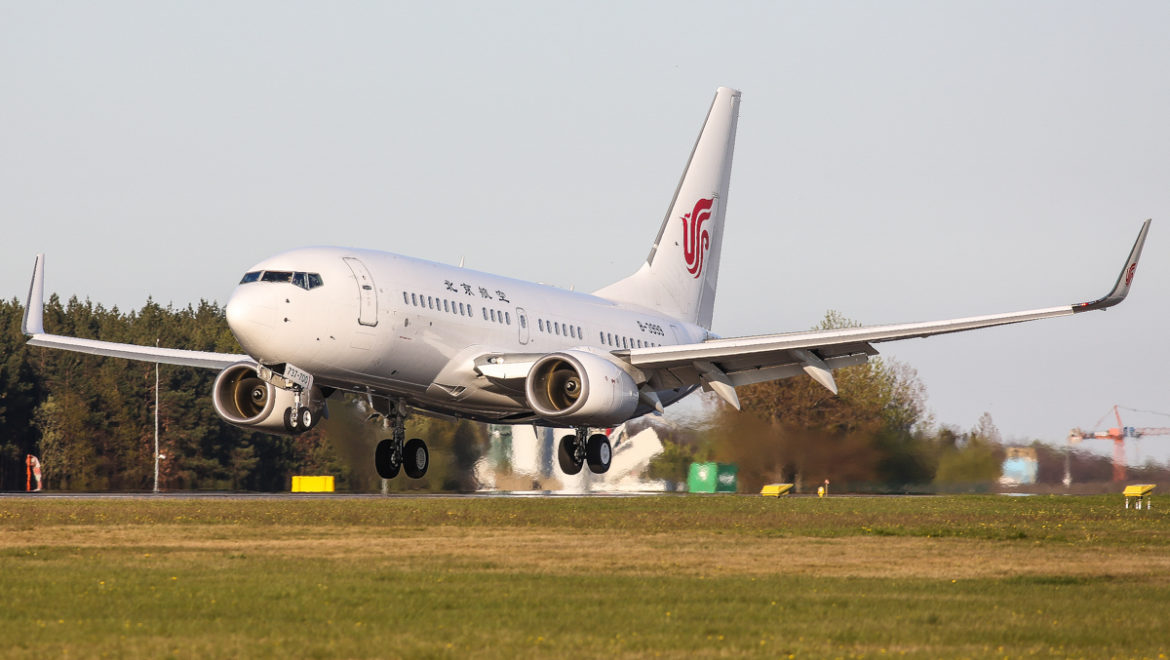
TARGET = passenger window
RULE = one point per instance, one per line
(540, 322)
(609, 339)
(508, 318)
(446, 307)
(250, 277)
(405, 300)
(485, 314)
(413, 300)
(602, 335)
(430, 302)
(493, 314)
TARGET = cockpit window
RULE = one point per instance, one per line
(306, 281)
(276, 276)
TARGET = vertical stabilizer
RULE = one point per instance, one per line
(681, 273)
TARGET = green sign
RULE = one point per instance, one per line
(712, 478)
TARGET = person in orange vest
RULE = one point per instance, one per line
(33, 471)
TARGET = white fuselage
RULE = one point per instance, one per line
(394, 324)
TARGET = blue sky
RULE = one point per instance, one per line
(897, 161)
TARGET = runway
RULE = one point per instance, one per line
(226, 495)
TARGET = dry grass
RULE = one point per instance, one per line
(624, 578)
(540, 551)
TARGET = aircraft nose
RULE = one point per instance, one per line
(251, 315)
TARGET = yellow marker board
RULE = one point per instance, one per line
(301, 484)
(775, 490)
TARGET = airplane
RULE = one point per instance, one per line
(416, 336)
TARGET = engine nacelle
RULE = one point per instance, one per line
(581, 389)
(242, 398)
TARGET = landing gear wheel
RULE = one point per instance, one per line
(598, 453)
(290, 421)
(387, 461)
(567, 455)
(415, 458)
(306, 419)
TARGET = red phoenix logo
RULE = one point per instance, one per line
(696, 238)
(1129, 273)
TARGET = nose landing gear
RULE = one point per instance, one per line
(300, 421)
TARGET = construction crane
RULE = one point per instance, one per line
(1118, 435)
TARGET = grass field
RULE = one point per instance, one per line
(693, 576)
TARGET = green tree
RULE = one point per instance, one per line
(804, 433)
(974, 458)
(21, 390)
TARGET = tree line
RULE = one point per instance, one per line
(90, 420)
(875, 436)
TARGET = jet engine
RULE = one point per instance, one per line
(581, 389)
(242, 398)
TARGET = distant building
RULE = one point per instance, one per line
(1019, 467)
(523, 457)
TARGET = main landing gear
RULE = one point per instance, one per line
(576, 450)
(396, 453)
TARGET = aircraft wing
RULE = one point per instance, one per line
(721, 364)
(33, 325)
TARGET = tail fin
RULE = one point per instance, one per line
(680, 275)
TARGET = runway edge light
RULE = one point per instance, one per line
(1138, 492)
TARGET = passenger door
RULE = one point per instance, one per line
(367, 293)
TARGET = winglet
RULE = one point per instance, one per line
(34, 309)
(1124, 280)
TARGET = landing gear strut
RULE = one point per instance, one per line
(574, 451)
(395, 453)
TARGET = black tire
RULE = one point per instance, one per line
(415, 458)
(598, 453)
(290, 421)
(385, 461)
(306, 419)
(567, 455)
